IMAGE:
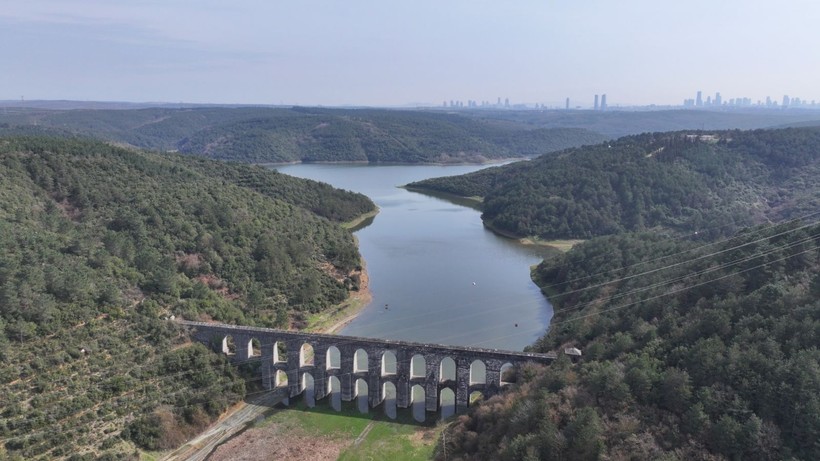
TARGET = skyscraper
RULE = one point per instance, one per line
(596, 102)
(603, 101)
(718, 100)
(699, 99)
(567, 106)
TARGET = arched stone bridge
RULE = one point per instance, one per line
(333, 360)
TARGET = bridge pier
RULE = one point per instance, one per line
(403, 378)
(432, 365)
(374, 377)
(320, 384)
(462, 384)
(347, 379)
(493, 378)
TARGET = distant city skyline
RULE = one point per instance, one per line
(370, 53)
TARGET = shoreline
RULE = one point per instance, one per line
(346, 312)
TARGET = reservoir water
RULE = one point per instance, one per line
(436, 274)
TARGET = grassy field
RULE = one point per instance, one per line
(560, 245)
(402, 439)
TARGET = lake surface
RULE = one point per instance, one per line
(436, 274)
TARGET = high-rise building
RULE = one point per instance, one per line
(603, 101)
(567, 105)
(785, 101)
(596, 102)
(506, 102)
(699, 99)
(718, 101)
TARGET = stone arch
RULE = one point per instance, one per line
(306, 381)
(334, 391)
(280, 379)
(447, 370)
(360, 361)
(418, 366)
(478, 372)
(333, 359)
(388, 363)
(389, 399)
(228, 345)
(507, 374)
(333, 385)
(447, 402)
(417, 394)
(306, 355)
(361, 392)
(280, 352)
(254, 348)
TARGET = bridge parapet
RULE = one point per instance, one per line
(379, 363)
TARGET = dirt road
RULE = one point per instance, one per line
(198, 448)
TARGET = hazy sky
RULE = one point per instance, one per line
(387, 52)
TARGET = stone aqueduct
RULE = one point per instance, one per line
(398, 363)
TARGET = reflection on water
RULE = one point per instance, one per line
(436, 274)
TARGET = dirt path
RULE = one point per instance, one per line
(201, 446)
(364, 433)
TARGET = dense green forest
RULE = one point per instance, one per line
(618, 123)
(690, 351)
(258, 134)
(99, 244)
(707, 183)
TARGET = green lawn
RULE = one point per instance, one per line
(397, 440)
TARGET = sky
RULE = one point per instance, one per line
(398, 53)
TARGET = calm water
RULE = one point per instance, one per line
(435, 273)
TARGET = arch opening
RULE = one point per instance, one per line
(388, 363)
(280, 379)
(418, 367)
(228, 345)
(280, 352)
(418, 402)
(308, 390)
(334, 387)
(476, 397)
(333, 359)
(478, 372)
(389, 399)
(361, 392)
(447, 370)
(254, 348)
(507, 374)
(306, 356)
(360, 361)
(447, 402)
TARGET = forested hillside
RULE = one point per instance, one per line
(712, 184)
(261, 134)
(618, 123)
(99, 244)
(690, 351)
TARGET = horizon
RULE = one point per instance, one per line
(369, 54)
